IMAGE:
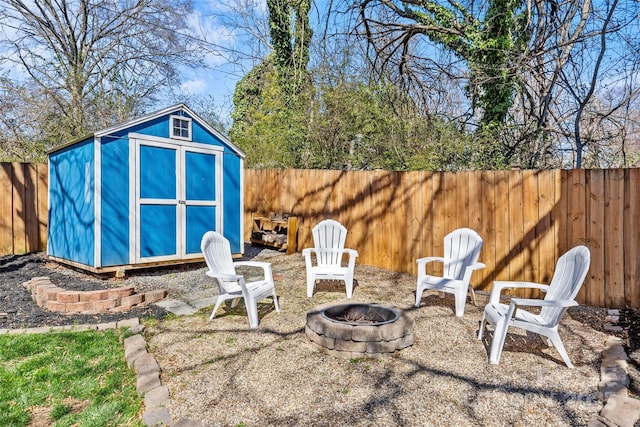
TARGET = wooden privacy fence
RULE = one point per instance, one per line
(526, 218)
(23, 208)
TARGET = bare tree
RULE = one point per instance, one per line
(98, 61)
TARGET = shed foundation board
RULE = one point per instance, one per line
(120, 270)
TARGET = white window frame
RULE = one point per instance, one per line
(172, 127)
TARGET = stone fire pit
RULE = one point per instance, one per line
(356, 330)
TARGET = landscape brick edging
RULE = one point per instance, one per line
(619, 408)
(54, 298)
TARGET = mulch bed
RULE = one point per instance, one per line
(18, 310)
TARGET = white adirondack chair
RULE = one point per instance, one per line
(328, 240)
(568, 277)
(232, 286)
(461, 251)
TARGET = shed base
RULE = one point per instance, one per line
(120, 270)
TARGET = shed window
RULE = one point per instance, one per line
(181, 128)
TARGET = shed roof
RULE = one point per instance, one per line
(152, 116)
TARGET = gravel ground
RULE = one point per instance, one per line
(222, 373)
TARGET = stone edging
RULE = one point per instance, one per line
(619, 408)
(55, 298)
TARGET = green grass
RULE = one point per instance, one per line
(67, 378)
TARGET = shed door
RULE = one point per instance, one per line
(177, 199)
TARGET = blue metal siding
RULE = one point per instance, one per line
(157, 172)
(231, 186)
(200, 219)
(200, 176)
(232, 196)
(200, 134)
(157, 127)
(115, 202)
(71, 227)
(200, 186)
(157, 230)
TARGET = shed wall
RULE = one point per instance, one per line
(114, 203)
(71, 233)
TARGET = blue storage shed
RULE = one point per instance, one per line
(143, 193)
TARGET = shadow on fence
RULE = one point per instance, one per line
(526, 218)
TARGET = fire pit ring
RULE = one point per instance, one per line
(359, 330)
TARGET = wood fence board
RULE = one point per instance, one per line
(290, 189)
(558, 216)
(502, 225)
(19, 206)
(370, 215)
(389, 228)
(475, 201)
(614, 238)
(274, 190)
(475, 220)
(529, 245)
(576, 227)
(352, 200)
(515, 258)
(402, 236)
(428, 214)
(319, 203)
(545, 229)
(314, 206)
(465, 216)
(31, 207)
(451, 191)
(439, 218)
(259, 190)
(382, 228)
(368, 256)
(6, 210)
(488, 230)
(594, 185)
(415, 222)
(296, 205)
(375, 221)
(632, 237)
(462, 214)
(43, 214)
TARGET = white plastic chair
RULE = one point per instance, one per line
(232, 286)
(461, 251)
(328, 240)
(568, 277)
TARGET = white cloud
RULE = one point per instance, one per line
(195, 86)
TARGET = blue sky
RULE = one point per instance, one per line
(214, 21)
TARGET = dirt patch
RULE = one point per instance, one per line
(41, 416)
